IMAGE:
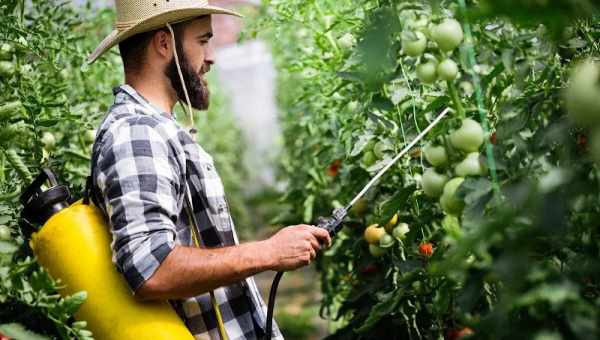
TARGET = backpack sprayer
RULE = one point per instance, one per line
(333, 224)
(73, 245)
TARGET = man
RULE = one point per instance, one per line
(144, 164)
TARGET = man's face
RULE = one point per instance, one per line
(195, 58)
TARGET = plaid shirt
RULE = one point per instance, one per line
(140, 158)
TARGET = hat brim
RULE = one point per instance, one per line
(154, 22)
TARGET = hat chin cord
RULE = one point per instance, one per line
(213, 300)
(189, 110)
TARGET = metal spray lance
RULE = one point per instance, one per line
(333, 223)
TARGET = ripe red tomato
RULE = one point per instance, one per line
(371, 268)
(581, 140)
(334, 167)
(493, 138)
(457, 334)
(426, 249)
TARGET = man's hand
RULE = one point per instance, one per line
(296, 246)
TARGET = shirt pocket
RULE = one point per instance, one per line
(214, 192)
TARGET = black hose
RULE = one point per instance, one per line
(271, 307)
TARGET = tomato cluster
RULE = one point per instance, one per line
(446, 37)
(463, 142)
(382, 238)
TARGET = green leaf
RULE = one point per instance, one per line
(498, 69)
(47, 122)
(18, 332)
(362, 142)
(73, 302)
(392, 205)
(7, 247)
(382, 309)
(5, 219)
(308, 208)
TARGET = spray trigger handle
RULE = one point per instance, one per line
(332, 224)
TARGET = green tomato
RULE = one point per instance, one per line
(379, 149)
(466, 88)
(376, 251)
(346, 41)
(48, 140)
(433, 182)
(427, 72)
(400, 231)
(414, 44)
(359, 209)
(89, 136)
(448, 35)
(435, 155)
(469, 137)
(581, 97)
(4, 233)
(6, 68)
(451, 204)
(386, 241)
(11, 110)
(470, 166)
(6, 51)
(447, 70)
(369, 159)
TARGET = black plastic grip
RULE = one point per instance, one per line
(332, 224)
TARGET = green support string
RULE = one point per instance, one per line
(489, 147)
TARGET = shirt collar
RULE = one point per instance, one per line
(136, 96)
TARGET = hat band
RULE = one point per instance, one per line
(121, 26)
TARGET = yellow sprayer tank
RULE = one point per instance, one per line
(73, 245)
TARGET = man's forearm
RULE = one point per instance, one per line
(189, 271)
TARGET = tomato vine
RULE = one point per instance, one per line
(509, 248)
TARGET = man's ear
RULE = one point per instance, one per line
(162, 44)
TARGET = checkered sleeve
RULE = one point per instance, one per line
(139, 187)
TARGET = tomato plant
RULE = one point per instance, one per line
(501, 190)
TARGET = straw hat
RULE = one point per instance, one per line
(138, 16)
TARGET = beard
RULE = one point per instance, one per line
(196, 86)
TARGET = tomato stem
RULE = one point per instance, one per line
(2, 165)
(460, 110)
(328, 32)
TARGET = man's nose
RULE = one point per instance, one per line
(209, 55)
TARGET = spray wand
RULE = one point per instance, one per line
(333, 224)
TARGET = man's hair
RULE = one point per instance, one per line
(133, 49)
